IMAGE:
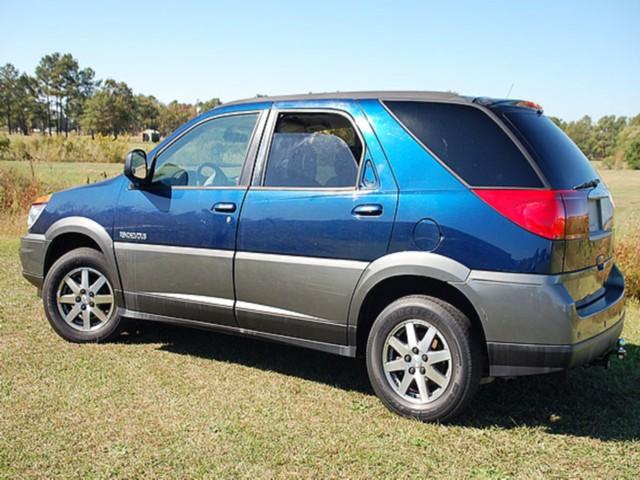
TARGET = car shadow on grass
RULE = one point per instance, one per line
(591, 402)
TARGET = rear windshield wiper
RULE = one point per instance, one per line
(589, 184)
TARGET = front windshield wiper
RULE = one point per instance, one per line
(589, 184)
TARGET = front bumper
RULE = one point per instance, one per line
(545, 323)
(33, 248)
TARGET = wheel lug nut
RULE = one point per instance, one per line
(424, 357)
(423, 370)
(412, 370)
(92, 304)
(91, 294)
(407, 358)
(415, 350)
(83, 291)
(83, 307)
(78, 299)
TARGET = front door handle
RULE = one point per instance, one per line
(367, 210)
(224, 207)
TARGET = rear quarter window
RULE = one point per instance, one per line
(467, 141)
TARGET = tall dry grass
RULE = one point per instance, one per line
(628, 259)
(41, 148)
(17, 191)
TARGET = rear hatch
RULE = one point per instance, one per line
(585, 195)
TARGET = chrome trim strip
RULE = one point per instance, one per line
(344, 350)
(300, 260)
(185, 297)
(280, 312)
(34, 237)
(153, 247)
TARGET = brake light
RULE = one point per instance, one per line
(529, 104)
(552, 214)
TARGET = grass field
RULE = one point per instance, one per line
(168, 402)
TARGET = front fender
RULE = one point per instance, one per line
(93, 230)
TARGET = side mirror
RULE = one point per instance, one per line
(135, 166)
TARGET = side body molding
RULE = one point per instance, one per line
(91, 229)
(423, 264)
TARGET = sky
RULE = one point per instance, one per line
(572, 57)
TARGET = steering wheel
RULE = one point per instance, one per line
(217, 175)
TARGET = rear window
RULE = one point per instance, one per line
(469, 142)
(559, 159)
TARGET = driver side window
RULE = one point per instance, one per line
(210, 155)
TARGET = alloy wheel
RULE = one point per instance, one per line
(416, 360)
(85, 299)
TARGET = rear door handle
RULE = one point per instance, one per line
(224, 207)
(367, 210)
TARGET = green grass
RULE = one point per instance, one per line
(168, 402)
(625, 188)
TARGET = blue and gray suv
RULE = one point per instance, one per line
(445, 238)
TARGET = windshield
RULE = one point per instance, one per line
(561, 161)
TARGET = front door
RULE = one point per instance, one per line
(175, 238)
(317, 213)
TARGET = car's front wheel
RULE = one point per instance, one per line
(422, 358)
(79, 298)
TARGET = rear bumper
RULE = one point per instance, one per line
(545, 323)
(33, 248)
(514, 359)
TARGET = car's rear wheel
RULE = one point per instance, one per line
(79, 297)
(422, 358)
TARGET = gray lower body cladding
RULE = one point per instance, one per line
(516, 359)
(544, 323)
(532, 323)
(33, 249)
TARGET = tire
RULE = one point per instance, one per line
(104, 320)
(440, 330)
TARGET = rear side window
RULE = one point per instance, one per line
(559, 159)
(469, 142)
(313, 150)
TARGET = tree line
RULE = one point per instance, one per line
(611, 140)
(61, 97)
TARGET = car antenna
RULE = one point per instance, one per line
(510, 88)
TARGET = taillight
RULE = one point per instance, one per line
(552, 214)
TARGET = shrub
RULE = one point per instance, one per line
(632, 154)
(17, 191)
(628, 259)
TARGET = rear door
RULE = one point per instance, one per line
(566, 168)
(320, 208)
(596, 279)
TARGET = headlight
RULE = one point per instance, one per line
(37, 207)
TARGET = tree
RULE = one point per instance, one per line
(64, 88)
(632, 154)
(605, 134)
(559, 122)
(147, 112)
(8, 82)
(208, 105)
(28, 111)
(174, 115)
(111, 110)
(581, 133)
(84, 85)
